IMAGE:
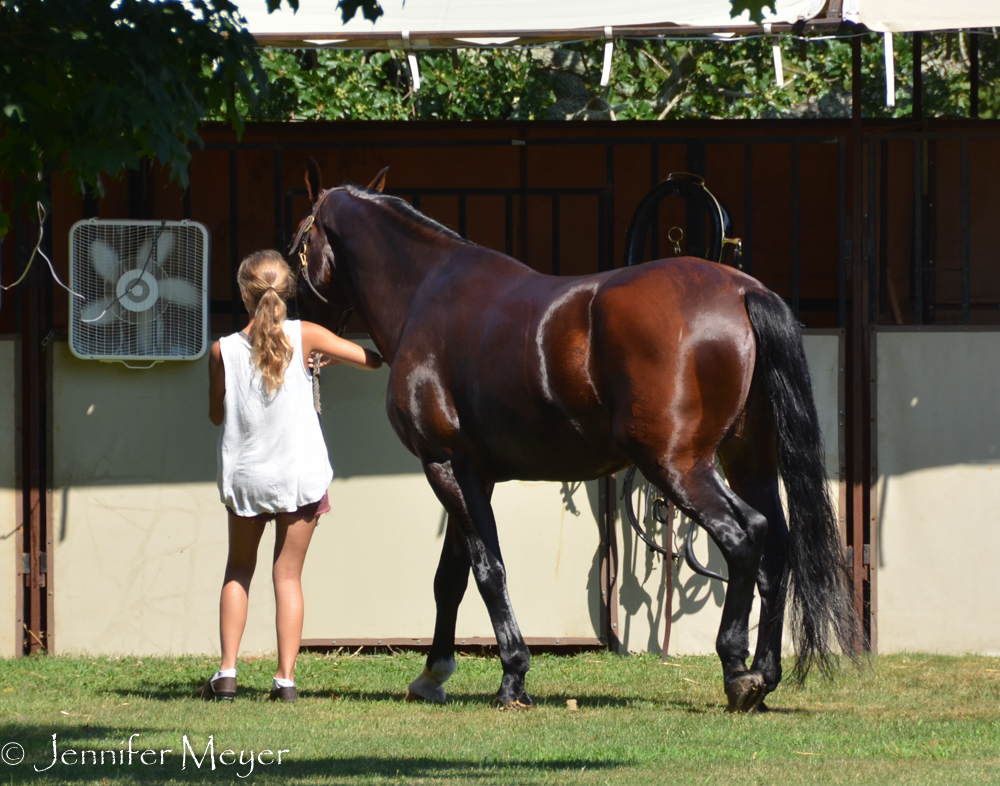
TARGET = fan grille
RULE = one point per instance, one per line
(144, 287)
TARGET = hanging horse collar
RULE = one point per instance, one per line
(683, 184)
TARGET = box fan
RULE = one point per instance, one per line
(144, 288)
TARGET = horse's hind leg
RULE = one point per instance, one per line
(750, 463)
(739, 531)
(450, 583)
(466, 498)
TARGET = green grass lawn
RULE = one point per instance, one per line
(899, 719)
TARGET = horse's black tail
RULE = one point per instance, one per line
(820, 597)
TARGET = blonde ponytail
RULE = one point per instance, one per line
(266, 282)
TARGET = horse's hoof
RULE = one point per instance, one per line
(745, 693)
(422, 691)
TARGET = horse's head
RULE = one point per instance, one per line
(323, 291)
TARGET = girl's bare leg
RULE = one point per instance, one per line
(290, 546)
(244, 538)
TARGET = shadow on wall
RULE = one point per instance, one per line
(642, 584)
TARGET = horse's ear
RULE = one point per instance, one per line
(378, 184)
(313, 180)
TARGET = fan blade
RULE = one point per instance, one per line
(104, 260)
(148, 334)
(180, 292)
(98, 312)
(164, 244)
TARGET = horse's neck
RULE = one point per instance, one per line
(387, 273)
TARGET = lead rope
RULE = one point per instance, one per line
(317, 404)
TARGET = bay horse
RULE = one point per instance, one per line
(498, 372)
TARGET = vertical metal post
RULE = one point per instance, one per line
(883, 282)
(695, 229)
(748, 208)
(796, 293)
(654, 180)
(965, 231)
(918, 231)
(463, 222)
(842, 247)
(508, 224)
(918, 77)
(280, 240)
(859, 342)
(610, 206)
(555, 236)
(870, 256)
(234, 239)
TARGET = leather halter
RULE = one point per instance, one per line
(301, 241)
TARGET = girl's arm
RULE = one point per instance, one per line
(216, 385)
(316, 338)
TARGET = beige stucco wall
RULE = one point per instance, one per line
(697, 601)
(9, 541)
(140, 533)
(938, 446)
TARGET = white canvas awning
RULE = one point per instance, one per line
(434, 23)
(901, 16)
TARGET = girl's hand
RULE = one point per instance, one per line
(324, 360)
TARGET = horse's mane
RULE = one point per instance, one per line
(404, 207)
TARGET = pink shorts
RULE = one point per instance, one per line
(311, 511)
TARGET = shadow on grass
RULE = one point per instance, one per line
(31, 760)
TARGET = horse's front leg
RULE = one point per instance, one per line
(450, 583)
(466, 497)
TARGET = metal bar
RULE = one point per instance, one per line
(654, 180)
(279, 224)
(602, 230)
(918, 232)
(870, 256)
(522, 153)
(234, 239)
(883, 283)
(610, 236)
(859, 345)
(842, 251)
(508, 225)
(796, 212)
(748, 208)
(871, 629)
(918, 77)
(965, 231)
(556, 267)
(695, 228)
(21, 443)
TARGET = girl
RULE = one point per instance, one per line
(272, 458)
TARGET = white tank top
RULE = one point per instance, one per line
(272, 457)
